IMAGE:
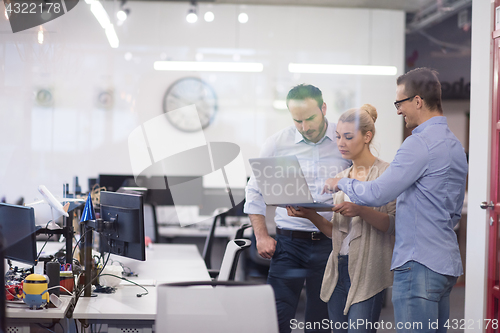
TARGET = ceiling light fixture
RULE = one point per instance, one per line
(280, 104)
(342, 69)
(192, 15)
(122, 14)
(205, 66)
(40, 35)
(209, 16)
(243, 18)
(102, 17)
(112, 37)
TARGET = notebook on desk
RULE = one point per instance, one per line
(282, 183)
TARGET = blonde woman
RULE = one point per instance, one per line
(358, 269)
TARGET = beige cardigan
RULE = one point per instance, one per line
(370, 250)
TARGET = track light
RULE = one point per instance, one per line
(209, 16)
(192, 15)
(243, 18)
(123, 14)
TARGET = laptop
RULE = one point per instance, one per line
(282, 183)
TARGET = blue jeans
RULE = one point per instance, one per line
(368, 310)
(295, 261)
(421, 298)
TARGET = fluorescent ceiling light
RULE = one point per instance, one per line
(342, 69)
(280, 104)
(227, 51)
(205, 66)
(102, 17)
(100, 14)
(112, 37)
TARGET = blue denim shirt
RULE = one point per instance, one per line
(427, 176)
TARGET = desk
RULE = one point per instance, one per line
(123, 310)
(201, 229)
(20, 317)
(195, 231)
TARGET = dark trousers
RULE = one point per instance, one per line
(297, 260)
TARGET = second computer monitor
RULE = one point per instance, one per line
(127, 235)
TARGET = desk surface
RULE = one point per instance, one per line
(164, 263)
(21, 310)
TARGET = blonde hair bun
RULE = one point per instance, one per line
(372, 111)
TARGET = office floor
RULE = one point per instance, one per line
(457, 299)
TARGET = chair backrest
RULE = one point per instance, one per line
(198, 307)
(230, 259)
(241, 230)
(207, 248)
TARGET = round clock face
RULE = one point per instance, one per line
(188, 91)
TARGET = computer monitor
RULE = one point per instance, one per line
(114, 182)
(19, 232)
(127, 237)
(188, 190)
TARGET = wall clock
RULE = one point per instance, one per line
(187, 91)
(44, 97)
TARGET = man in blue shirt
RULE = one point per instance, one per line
(300, 251)
(428, 177)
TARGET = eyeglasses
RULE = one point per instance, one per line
(397, 104)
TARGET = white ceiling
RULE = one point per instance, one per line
(411, 6)
(406, 5)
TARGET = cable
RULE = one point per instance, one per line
(82, 237)
(138, 295)
(95, 278)
(40, 253)
(127, 271)
(76, 325)
(69, 292)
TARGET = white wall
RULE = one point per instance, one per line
(479, 162)
(50, 145)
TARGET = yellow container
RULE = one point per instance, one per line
(33, 291)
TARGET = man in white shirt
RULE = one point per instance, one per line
(300, 251)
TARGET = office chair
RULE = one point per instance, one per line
(241, 230)
(207, 248)
(192, 307)
(230, 259)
